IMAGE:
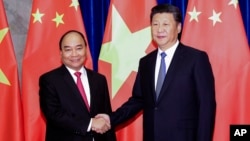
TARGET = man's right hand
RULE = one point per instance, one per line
(100, 124)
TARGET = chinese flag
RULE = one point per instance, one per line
(11, 118)
(127, 38)
(217, 28)
(49, 20)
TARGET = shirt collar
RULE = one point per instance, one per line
(71, 71)
(170, 50)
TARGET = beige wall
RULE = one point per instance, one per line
(18, 15)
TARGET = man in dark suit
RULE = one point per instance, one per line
(183, 107)
(68, 116)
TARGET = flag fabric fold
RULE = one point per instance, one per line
(217, 28)
(49, 20)
(127, 38)
(11, 118)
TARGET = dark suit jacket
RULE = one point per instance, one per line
(185, 109)
(66, 114)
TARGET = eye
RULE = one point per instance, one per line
(79, 48)
(154, 24)
(165, 24)
(67, 49)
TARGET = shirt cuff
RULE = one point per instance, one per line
(89, 127)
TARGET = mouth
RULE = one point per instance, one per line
(161, 37)
(75, 60)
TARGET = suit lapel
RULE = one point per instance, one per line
(72, 85)
(152, 64)
(92, 94)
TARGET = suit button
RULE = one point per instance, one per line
(156, 108)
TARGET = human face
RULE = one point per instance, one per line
(165, 30)
(73, 51)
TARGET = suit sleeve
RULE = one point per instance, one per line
(131, 107)
(206, 95)
(110, 135)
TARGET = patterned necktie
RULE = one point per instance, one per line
(81, 89)
(161, 75)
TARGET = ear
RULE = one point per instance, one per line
(179, 27)
(61, 52)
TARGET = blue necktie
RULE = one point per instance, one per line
(161, 75)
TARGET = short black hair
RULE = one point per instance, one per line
(166, 8)
(70, 31)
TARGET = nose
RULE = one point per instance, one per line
(160, 29)
(74, 52)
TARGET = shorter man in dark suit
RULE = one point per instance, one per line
(174, 86)
(68, 110)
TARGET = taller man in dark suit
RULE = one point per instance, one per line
(69, 111)
(183, 107)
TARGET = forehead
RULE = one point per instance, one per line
(72, 39)
(163, 16)
(72, 36)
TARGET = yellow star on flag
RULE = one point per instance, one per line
(3, 78)
(215, 18)
(234, 2)
(37, 16)
(58, 19)
(75, 4)
(194, 15)
(124, 51)
(3, 33)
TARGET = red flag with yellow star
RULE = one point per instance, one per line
(49, 20)
(11, 118)
(127, 38)
(217, 28)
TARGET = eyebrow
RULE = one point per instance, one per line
(66, 46)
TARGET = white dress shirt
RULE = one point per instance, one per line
(84, 79)
(170, 53)
(85, 82)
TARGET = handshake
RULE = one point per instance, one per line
(101, 123)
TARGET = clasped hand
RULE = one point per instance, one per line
(101, 123)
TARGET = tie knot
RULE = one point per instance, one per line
(77, 74)
(163, 55)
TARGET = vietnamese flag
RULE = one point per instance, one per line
(127, 38)
(216, 27)
(11, 118)
(49, 20)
